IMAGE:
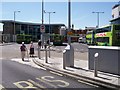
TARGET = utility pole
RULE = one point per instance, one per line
(14, 30)
(97, 18)
(69, 21)
(49, 29)
(42, 38)
(42, 31)
(68, 53)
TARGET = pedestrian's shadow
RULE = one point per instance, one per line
(33, 56)
(26, 60)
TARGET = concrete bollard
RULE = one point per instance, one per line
(64, 59)
(95, 64)
(68, 57)
(46, 59)
(39, 54)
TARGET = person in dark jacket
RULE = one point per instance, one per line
(31, 49)
(23, 50)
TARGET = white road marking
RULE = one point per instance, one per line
(46, 82)
(2, 88)
(29, 85)
(33, 82)
(64, 83)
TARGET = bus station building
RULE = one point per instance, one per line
(28, 28)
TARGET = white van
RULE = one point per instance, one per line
(82, 40)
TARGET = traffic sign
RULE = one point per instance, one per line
(69, 33)
(42, 28)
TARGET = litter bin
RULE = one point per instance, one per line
(68, 56)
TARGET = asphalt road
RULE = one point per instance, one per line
(19, 76)
(13, 51)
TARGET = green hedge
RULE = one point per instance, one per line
(23, 38)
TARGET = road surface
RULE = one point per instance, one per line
(13, 51)
(19, 76)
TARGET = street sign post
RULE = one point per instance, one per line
(42, 28)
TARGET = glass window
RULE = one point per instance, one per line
(102, 39)
(117, 27)
(105, 29)
(118, 35)
(113, 16)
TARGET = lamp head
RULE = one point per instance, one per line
(96, 55)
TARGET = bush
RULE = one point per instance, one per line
(23, 38)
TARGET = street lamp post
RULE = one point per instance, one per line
(49, 19)
(42, 31)
(98, 18)
(49, 29)
(14, 24)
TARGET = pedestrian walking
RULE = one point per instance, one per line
(23, 50)
(31, 49)
(48, 42)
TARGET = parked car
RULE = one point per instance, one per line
(82, 40)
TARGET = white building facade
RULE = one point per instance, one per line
(0, 36)
(116, 11)
(116, 14)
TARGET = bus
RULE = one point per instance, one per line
(90, 37)
(105, 36)
(108, 35)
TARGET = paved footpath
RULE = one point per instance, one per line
(80, 70)
(3, 44)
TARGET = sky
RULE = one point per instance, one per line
(81, 12)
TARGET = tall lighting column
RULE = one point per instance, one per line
(42, 38)
(42, 30)
(97, 18)
(14, 25)
(49, 28)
